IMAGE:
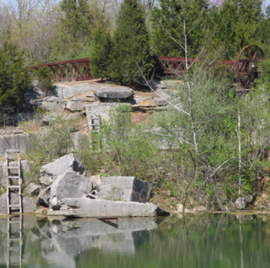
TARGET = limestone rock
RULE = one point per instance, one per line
(52, 104)
(160, 102)
(75, 106)
(180, 209)
(114, 92)
(28, 203)
(124, 189)
(44, 197)
(33, 188)
(242, 202)
(96, 181)
(64, 91)
(69, 185)
(85, 207)
(155, 84)
(51, 171)
(199, 209)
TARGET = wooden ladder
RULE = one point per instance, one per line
(14, 181)
(14, 241)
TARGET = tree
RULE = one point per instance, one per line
(14, 76)
(130, 44)
(167, 21)
(100, 52)
(236, 24)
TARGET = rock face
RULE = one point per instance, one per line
(114, 92)
(28, 203)
(51, 171)
(69, 185)
(242, 202)
(84, 207)
(13, 142)
(124, 189)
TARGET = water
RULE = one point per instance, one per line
(217, 241)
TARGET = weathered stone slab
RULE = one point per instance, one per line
(124, 189)
(97, 208)
(114, 92)
(75, 106)
(64, 91)
(69, 185)
(51, 171)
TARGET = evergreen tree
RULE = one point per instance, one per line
(14, 76)
(77, 18)
(100, 52)
(236, 24)
(168, 26)
(130, 44)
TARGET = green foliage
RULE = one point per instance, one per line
(51, 143)
(14, 76)
(130, 44)
(168, 26)
(127, 147)
(236, 24)
(100, 53)
(44, 77)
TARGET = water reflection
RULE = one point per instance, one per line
(206, 241)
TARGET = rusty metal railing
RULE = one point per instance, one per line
(69, 70)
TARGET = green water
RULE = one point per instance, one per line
(202, 241)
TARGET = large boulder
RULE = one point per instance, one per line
(33, 188)
(69, 185)
(124, 189)
(242, 202)
(51, 171)
(75, 105)
(85, 207)
(114, 93)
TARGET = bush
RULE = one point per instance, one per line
(44, 77)
(14, 76)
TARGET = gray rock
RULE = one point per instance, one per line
(28, 203)
(69, 185)
(114, 92)
(33, 188)
(96, 181)
(157, 84)
(164, 93)
(199, 209)
(51, 171)
(180, 209)
(242, 202)
(44, 197)
(84, 207)
(64, 91)
(52, 104)
(98, 110)
(75, 106)
(19, 141)
(124, 189)
(160, 102)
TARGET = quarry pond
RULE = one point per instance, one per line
(208, 240)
